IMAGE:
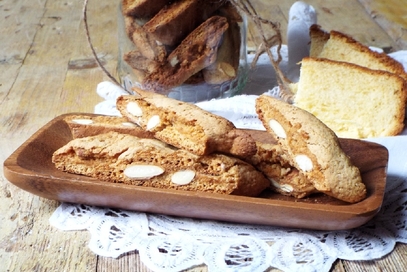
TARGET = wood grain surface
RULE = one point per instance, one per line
(47, 69)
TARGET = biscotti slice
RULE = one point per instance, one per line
(341, 47)
(143, 8)
(197, 51)
(176, 21)
(313, 147)
(185, 125)
(123, 158)
(225, 68)
(277, 166)
(354, 101)
(90, 125)
(143, 41)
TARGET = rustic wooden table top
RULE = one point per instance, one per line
(47, 69)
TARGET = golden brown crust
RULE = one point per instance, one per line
(342, 47)
(319, 37)
(108, 157)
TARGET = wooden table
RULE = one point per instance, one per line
(47, 69)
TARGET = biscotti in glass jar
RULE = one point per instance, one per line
(190, 50)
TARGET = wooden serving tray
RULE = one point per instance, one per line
(31, 169)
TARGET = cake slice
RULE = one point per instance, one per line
(185, 125)
(319, 38)
(123, 158)
(313, 148)
(341, 47)
(354, 101)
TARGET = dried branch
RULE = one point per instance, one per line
(246, 7)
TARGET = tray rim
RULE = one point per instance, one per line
(14, 171)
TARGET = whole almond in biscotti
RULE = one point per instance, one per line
(313, 147)
(185, 125)
(176, 21)
(277, 166)
(123, 158)
(197, 51)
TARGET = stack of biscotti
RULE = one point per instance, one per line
(169, 144)
(357, 92)
(124, 158)
(184, 41)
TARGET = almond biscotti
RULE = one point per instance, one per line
(185, 125)
(183, 16)
(143, 8)
(277, 166)
(313, 148)
(123, 158)
(196, 52)
(91, 125)
(225, 68)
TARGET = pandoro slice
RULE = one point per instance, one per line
(354, 101)
(123, 158)
(313, 147)
(185, 125)
(319, 37)
(341, 47)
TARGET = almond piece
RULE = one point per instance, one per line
(134, 109)
(153, 122)
(183, 177)
(83, 121)
(304, 162)
(277, 128)
(143, 171)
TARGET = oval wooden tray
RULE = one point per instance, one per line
(31, 169)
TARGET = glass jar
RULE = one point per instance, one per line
(188, 50)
